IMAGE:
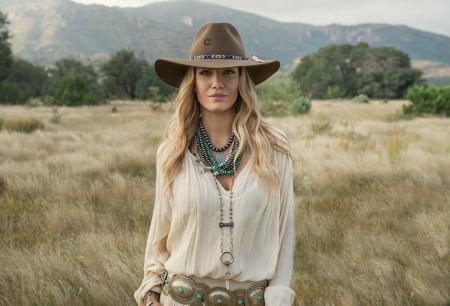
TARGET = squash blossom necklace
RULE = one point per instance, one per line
(225, 165)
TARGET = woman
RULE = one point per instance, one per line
(222, 231)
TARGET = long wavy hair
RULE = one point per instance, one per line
(249, 127)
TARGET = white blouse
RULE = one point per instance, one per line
(184, 236)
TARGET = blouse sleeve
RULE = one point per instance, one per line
(156, 253)
(278, 293)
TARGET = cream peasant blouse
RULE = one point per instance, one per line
(184, 236)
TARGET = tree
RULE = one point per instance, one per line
(124, 70)
(349, 70)
(76, 90)
(6, 58)
(150, 81)
(12, 94)
(72, 83)
(68, 66)
(31, 79)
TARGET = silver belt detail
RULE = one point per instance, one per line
(186, 291)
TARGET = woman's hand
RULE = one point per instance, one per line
(153, 298)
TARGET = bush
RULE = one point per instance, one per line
(301, 106)
(76, 90)
(361, 99)
(22, 125)
(275, 95)
(150, 87)
(334, 92)
(2, 123)
(428, 100)
(12, 94)
(269, 108)
(29, 78)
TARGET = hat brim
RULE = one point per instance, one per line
(172, 71)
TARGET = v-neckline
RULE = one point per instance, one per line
(211, 177)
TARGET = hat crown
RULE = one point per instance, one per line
(217, 39)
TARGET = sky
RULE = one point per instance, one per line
(427, 15)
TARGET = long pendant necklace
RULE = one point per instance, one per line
(220, 165)
(226, 254)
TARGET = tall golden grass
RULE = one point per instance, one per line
(372, 205)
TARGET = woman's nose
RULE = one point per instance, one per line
(217, 81)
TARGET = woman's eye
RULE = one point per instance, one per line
(229, 71)
(204, 72)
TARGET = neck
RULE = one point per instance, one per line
(218, 127)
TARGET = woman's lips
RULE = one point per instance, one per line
(218, 96)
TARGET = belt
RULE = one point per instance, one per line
(186, 291)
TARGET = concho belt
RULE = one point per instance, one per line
(186, 291)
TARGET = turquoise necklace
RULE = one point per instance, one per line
(205, 157)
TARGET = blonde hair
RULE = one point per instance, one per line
(250, 128)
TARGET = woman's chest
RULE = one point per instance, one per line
(199, 197)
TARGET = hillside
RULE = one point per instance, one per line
(46, 30)
(289, 41)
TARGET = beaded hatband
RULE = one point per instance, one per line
(186, 291)
(219, 56)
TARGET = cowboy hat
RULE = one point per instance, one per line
(216, 45)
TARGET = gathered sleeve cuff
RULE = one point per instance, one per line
(156, 253)
(279, 296)
(278, 293)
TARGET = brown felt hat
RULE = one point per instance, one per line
(216, 45)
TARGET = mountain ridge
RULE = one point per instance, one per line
(47, 30)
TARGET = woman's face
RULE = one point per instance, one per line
(217, 89)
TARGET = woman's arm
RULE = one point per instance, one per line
(156, 253)
(278, 293)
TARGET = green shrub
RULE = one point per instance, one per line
(150, 87)
(428, 100)
(76, 90)
(22, 125)
(275, 96)
(361, 99)
(301, 106)
(334, 92)
(271, 108)
(2, 123)
(12, 94)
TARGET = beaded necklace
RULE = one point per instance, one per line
(205, 157)
(208, 142)
(227, 167)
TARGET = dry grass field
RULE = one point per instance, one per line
(372, 204)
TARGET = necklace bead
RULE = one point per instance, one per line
(206, 159)
(208, 142)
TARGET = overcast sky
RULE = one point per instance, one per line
(427, 15)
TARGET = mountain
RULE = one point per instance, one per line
(290, 41)
(47, 30)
